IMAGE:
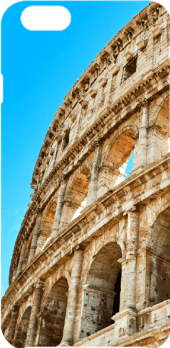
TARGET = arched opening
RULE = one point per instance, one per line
(46, 227)
(53, 315)
(100, 299)
(120, 153)
(158, 135)
(159, 259)
(21, 334)
(75, 199)
(125, 169)
(121, 149)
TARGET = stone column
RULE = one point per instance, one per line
(108, 89)
(77, 126)
(32, 328)
(122, 261)
(132, 244)
(125, 319)
(60, 144)
(68, 332)
(22, 255)
(35, 238)
(153, 293)
(92, 192)
(53, 156)
(58, 211)
(12, 324)
(142, 155)
(55, 153)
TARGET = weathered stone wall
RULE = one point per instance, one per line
(91, 261)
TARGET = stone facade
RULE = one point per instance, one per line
(101, 277)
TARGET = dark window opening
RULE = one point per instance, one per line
(117, 289)
(129, 69)
(66, 140)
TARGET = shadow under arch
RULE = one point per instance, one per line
(158, 257)
(163, 110)
(116, 157)
(159, 132)
(21, 334)
(52, 317)
(46, 226)
(75, 195)
(162, 122)
(130, 131)
(100, 301)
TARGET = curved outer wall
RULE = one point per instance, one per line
(91, 262)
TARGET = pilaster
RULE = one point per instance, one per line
(22, 255)
(58, 212)
(68, 332)
(32, 328)
(132, 245)
(35, 238)
(12, 324)
(92, 193)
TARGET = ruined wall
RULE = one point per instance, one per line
(91, 261)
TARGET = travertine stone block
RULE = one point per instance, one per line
(102, 81)
(141, 44)
(168, 21)
(156, 32)
(125, 323)
(128, 56)
(92, 92)
(114, 69)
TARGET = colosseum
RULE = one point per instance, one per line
(91, 263)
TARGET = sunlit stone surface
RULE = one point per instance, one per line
(91, 263)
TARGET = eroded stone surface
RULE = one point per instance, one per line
(91, 262)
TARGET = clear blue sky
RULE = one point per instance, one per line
(38, 70)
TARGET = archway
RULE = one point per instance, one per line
(53, 315)
(159, 259)
(158, 134)
(46, 227)
(21, 334)
(100, 300)
(75, 198)
(119, 151)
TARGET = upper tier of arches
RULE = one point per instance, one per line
(111, 75)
